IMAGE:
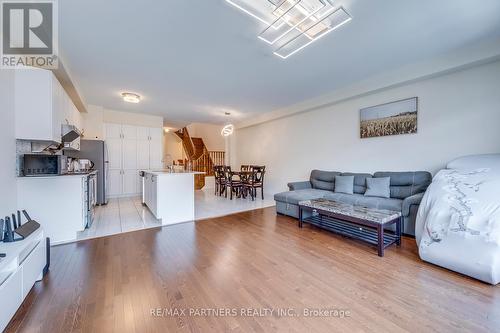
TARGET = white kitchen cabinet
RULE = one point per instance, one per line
(156, 149)
(33, 266)
(41, 106)
(19, 271)
(170, 196)
(143, 133)
(129, 132)
(113, 131)
(114, 147)
(130, 182)
(151, 192)
(67, 111)
(149, 148)
(11, 297)
(154, 195)
(129, 154)
(77, 118)
(62, 221)
(143, 143)
(143, 154)
(115, 183)
(131, 149)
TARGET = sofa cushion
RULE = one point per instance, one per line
(370, 202)
(293, 197)
(323, 180)
(405, 184)
(359, 181)
(378, 187)
(344, 184)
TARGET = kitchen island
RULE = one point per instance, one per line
(169, 195)
(62, 204)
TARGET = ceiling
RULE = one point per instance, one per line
(194, 60)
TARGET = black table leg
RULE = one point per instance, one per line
(399, 226)
(380, 242)
(300, 217)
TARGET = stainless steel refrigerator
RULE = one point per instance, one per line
(95, 151)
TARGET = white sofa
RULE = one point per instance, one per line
(458, 222)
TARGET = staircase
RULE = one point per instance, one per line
(198, 157)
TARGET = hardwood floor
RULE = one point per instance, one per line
(250, 260)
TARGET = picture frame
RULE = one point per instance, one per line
(393, 118)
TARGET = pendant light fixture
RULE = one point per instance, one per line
(228, 129)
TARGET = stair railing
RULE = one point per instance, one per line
(217, 157)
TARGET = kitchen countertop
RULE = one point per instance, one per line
(81, 175)
(174, 172)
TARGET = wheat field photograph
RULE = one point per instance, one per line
(393, 118)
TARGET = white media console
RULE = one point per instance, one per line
(19, 270)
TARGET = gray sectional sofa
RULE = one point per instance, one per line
(406, 192)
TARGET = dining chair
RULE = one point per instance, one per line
(220, 179)
(245, 168)
(245, 177)
(225, 170)
(255, 181)
(233, 183)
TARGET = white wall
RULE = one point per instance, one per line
(93, 122)
(94, 119)
(459, 114)
(172, 147)
(210, 134)
(8, 194)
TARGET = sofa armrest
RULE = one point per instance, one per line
(299, 185)
(410, 201)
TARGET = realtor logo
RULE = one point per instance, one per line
(29, 34)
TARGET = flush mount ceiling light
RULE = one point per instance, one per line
(293, 24)
(131, 97)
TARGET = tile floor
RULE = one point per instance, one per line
(128, 214)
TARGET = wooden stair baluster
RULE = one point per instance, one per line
(199, 157)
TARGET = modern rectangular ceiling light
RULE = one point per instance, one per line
(261, 10)
(330, 22)
(291, 19)
(293, 24)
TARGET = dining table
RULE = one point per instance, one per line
(244, 177)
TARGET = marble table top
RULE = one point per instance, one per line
(375, 215)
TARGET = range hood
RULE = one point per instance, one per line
(71, 137)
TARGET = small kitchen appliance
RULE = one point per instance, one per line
(43, 165)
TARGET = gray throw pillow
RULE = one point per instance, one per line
(378, 187)
(344, 184)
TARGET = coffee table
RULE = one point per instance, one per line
(366, 224)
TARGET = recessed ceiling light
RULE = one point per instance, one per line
(131, 97)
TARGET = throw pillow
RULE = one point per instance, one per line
(378, 187)
(344, 184)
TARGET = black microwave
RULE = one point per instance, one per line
(42, 165)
